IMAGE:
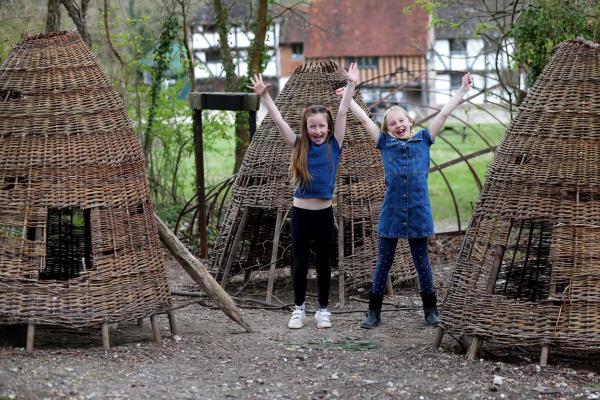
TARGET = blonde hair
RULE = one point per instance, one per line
(384, 126)
(299, 158)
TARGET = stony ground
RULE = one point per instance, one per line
(213, 358)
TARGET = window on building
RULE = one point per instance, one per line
(213, 55)
(364, 62)
(458, 47)
(298, 51)
(210, 28)
(455, 80)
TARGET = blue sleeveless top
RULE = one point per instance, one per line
(322, 169)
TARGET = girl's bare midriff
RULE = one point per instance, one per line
(312, 204)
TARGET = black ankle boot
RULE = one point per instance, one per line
(430, 309)
(373, 316)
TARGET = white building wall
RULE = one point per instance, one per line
(240, 41)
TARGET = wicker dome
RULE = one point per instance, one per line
(78, 240)
(262, 190)
(528, 272)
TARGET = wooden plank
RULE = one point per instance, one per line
(224, 101)
(278, 224)
(105, 336)
(234, 248)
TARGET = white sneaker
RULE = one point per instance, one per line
(323, 319)
(297, 320)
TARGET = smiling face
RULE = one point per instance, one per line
(397, 123)
(317, 127)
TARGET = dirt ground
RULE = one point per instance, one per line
(213, 358)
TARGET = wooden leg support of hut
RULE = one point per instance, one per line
(438, 337)
(105, 336)
(199, 274)
(342, 275)
(473, 348)
(172, 324)
(30, 338)
(278, 224)
(155, 329)
(140, 323)
(544, 356)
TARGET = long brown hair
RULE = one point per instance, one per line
(299, 164)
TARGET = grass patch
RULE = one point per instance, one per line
(462, 180)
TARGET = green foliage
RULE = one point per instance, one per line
(161, 57)
(544, 24)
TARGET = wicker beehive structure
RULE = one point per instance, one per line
(255, 234)
(528, 273)
(78, 240)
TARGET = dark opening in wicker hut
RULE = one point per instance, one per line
(78, 239)
(528, 273)
(255, 235)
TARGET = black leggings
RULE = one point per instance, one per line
(316, 226)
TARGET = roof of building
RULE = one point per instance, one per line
(366, 28)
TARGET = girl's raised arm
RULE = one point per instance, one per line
(370, 126)
(259, 87)
(340, 120)
(440, 119)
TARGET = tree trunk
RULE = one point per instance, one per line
(233, 82)
(78, 15)
(53, 16)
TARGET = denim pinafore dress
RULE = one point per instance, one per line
(406, 210)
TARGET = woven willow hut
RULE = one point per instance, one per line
(78, 239)
(255, 235)
(528, 273)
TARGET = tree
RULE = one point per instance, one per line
(256, 60)
(544, 24)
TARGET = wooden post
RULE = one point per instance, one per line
(214, 101)
(234, 248)
(498, 254)
(155, 329)
(140, 323)
(389, 288)
(278, 224)
(172, 323)
(544, 356)
(439, 336)
(105, 336)
(30, 337)
(199, 274)
(342, 274)
(473, 348)
(199, 157)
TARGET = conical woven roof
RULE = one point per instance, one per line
(263, 187)
(78, 240)
(529, 269)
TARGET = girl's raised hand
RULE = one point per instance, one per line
(352, 73)
(467, 81)
(339, 91)
(258, 86)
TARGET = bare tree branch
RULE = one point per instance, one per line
(122, 79)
